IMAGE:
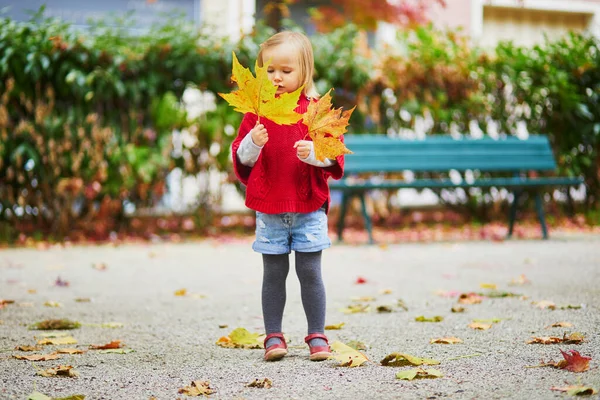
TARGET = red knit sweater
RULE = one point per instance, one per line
(280, 182)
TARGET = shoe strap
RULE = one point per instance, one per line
(277, 335)
(315, 336)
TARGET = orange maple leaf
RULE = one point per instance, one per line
(257, 95)
(326, 126)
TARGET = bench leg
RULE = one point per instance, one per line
(368, 224)
(341, 222)
(513, 212)
(539, 207)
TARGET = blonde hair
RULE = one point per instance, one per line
(306, 60)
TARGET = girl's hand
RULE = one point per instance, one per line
(259, 134)
(303, 148)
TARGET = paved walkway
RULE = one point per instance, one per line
(173, 338)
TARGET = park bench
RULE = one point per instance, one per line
(511, 163)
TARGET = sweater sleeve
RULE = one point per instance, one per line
(242, 171)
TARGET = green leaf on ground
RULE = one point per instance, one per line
(335, 326)
(419, 373)
(402, 360)
(436, 318)
(241, 338)
(55, 324)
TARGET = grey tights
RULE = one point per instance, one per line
(308, 269)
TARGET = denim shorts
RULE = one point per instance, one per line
(282, 233)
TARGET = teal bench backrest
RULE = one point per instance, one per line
(438, 153)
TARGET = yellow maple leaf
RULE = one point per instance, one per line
(348, 356)
(326, 125)
(257, 95)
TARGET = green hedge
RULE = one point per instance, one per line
(87, 119)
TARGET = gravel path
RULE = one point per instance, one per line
(173, 337)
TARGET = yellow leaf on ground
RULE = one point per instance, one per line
(347, 356)
(55, 324)
(28, 348)
(480, 326)
(181, 292)
(545, 304)
(386, 291)
(492, 286)
(356, 308)
(436, 318)
(562, 324)
(241, 338)
(197, 388)
(419, 373)
(265, 383)
(61, 370)
(469, 298)
(55, 304)
(446, 340)
(58, 341)
(326, 125)
(402, 360)
(70, 351)
(335, 327)
(457, 309)
(364, 299)
(256, 95)
(576, 390)
(38, 357)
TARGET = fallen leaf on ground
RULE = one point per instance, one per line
(573, 362)
(28, 348)
(335, 327)
(55, 304)
(480, 326)
(241, 338)
(181, 292)
(61, 283)
(356, 308)
(38, 357)
(70, 351)
(55, 324)
(357, 345)
(31, 291)
(347, 356)
(562, 324)
(61, 370)
(116, 351)
(261, 383)
(545, 304)
(492, 286)
(99, 266)
(83, 300)
(386, 291)
(402, 360)
(446, 340)
(364, 298)
(520, 281)
(572, 307)
(115, 344)
(400, 303)
(223, 326)
(573, 338)
(58, 341)
(40, 396)
(457, 309)
(360, 280)
(4, 303)
(488, 320)
(419, 373)
(422, 318)
(576, 390)
(469, 298)
(384, 309)
(197, 388)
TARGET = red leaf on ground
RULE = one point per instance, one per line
(60, 282)
(575, 362)
(360, 280)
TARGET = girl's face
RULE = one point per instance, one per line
(284, 70)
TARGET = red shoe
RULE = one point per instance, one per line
(318, 353)
(276, 351)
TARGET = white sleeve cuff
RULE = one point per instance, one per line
(312, 159)
(248, 152)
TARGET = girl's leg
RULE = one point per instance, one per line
(275, 271)
(308, 269)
